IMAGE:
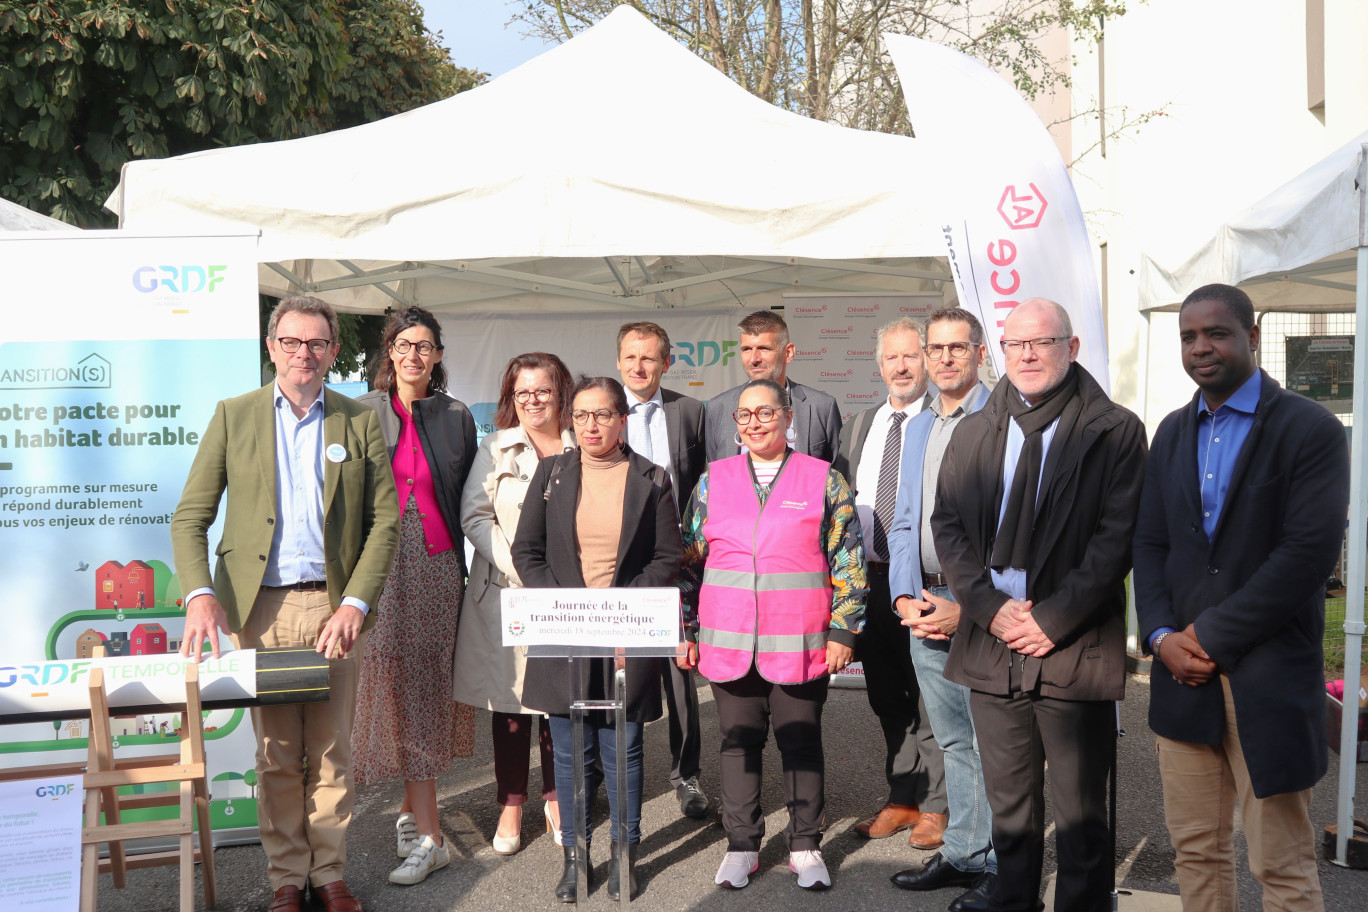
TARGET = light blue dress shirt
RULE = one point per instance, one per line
(1220, 436)
(297, 553)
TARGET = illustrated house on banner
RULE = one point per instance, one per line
(126, 586)
(149, 639)
(87, 641)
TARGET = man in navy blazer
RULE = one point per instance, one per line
(955, 350)
(1240, 524)
(766, 352)
(667, 428)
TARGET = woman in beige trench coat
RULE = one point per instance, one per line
(532, 421)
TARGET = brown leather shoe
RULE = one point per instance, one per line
(892, 818)
(335, 897)
(929, 832)
(287, 899)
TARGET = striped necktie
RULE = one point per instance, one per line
(886, 497)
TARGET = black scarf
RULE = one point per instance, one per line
(1012, 547)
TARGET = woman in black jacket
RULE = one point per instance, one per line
(600, 516)
(408, 725)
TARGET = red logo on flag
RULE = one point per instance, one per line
(1022, 209)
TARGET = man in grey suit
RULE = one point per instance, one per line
(667, 428)
(765, 353)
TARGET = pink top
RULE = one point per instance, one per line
(412, 475)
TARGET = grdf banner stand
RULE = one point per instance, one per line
(578, 626)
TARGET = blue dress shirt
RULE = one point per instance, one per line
(1220, 435)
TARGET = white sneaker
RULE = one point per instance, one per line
(427, 857)
(406, 834)
(811, 870)
(736, 869)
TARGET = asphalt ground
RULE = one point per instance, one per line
(679, 856)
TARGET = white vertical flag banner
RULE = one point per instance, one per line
(1011, 219)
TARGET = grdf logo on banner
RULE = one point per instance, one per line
(178, 279)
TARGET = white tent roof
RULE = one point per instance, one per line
(1292, 250)
(14, 217)
(619, 153)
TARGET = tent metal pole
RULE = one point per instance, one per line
(1358, 551)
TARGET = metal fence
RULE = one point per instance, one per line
(1289, 361)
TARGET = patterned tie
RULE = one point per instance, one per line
(648, 445)
(886, 497)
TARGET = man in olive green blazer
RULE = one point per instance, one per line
(308, 540)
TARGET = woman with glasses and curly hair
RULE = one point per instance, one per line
(407, 724)
(533, 422)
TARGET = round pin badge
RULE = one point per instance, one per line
(337, 452)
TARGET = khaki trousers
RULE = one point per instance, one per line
(1201, 787)
(304, 760)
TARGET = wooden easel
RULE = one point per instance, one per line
(103, 778)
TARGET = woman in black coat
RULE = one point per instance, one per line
(599, 516)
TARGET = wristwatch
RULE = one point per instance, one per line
(1158, 641)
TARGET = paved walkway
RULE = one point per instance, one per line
(678, 856)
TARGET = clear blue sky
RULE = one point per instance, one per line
(478, 34)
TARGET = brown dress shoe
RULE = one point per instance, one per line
(287, 899)
(892, 818)
(928, 832)
(335, 897)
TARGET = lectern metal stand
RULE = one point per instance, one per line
(580, 707)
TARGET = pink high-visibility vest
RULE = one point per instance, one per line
(766, 594)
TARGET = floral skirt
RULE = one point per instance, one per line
(407, 724)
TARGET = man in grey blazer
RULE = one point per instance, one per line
(667, 428)
(765, 353)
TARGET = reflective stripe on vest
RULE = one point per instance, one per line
(766, 593)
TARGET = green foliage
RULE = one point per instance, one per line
(87, 85)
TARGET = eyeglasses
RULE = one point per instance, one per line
(1043, 345)
(541, 395)
(935, 351)
(601, 416)
(317, 347)
(764, 413)
(404, 346)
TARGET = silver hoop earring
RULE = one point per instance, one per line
(737, 438)
(790, 435)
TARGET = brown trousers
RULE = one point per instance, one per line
(1201, 786)
(304, 761)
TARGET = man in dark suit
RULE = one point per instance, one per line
(766, 352)
(869, 457)
(1033, 519)
(1240, 525)
(311, 524)
(667, 428)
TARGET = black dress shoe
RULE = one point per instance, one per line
(976, 900)
(935, 874)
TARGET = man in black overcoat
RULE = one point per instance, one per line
(1034, 516)
(1240, 525)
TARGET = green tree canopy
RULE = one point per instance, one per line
(87, 85)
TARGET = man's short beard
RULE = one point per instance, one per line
(904, 401)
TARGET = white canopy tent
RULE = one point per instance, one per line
(1304, 248)
(617, 169)
(14, 217)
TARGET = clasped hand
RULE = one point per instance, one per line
(1016, 626)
